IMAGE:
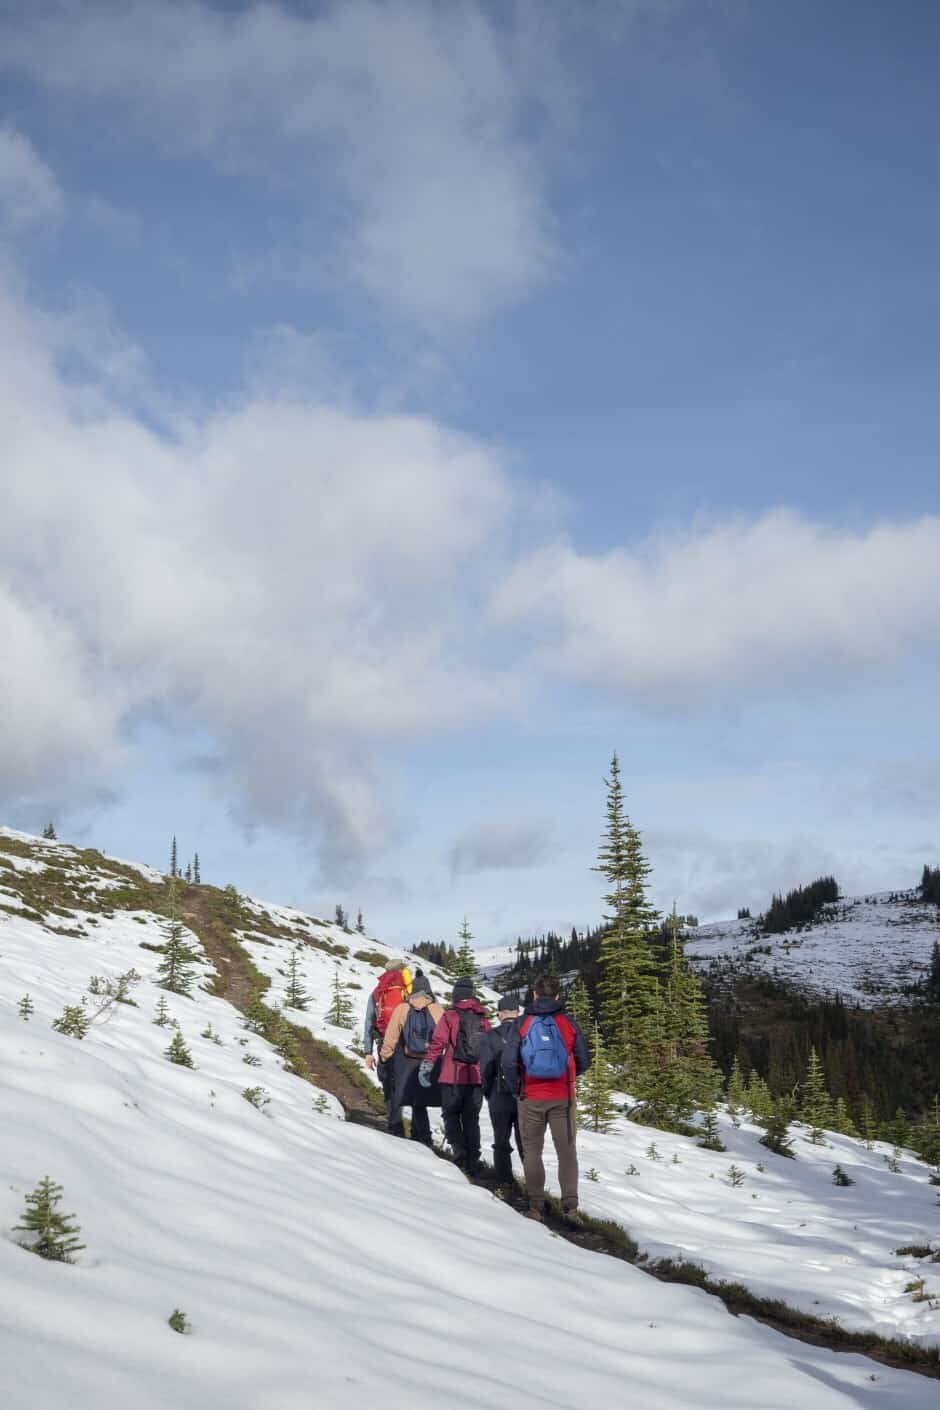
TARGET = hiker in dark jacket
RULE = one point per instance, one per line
(542, 1057)
(504, 1114)
(404, 1048)
(456, 1045)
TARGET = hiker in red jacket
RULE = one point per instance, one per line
(392, 989)
(456, 1045)
(542, 1057)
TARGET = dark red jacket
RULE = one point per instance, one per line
(463, 1074)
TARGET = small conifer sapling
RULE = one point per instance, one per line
(25, 1008)
(73, 1021)
(54, 1236)
(178, 1052)
(839, 1177)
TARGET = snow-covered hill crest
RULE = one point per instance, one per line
(869, 950)
(317, 1262)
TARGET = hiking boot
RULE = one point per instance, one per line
(572, 1218)
(534, 1212)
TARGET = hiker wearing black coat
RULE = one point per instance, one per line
(504, 1115)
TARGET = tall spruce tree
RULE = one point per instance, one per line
(177, 968)
(695, 1078)
(578, 1004)
(340, 1012)
(360, 924)
(296, 996)
(595, 1102)
(465, 962)
(630, 1001)
(49, 833)
(737, 1092)
(197, 875)
(174, 861)
(815, 1101)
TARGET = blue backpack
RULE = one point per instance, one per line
(419, 1029)
(542, 1051)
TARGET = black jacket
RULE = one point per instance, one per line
(491, 1056)
(510, 1055)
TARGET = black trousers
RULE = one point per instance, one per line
(384, 1071)
(505, 1119)
(460, 1108)
(421, 1125)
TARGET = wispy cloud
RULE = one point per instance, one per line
(502, 846)
(29, 192)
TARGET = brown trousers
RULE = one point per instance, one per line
(534, 1117)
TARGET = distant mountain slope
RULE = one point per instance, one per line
(869, 950)
(321, 1263)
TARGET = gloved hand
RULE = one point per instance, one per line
(424, 1073)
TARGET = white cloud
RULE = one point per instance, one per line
(502, 846)
(29, 193)
(411, 115)
(299, 581)
(762, 605)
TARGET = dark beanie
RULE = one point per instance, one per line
(508, 1003)
(422, 985)
(463, 989)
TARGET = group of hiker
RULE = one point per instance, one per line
(526, 1068)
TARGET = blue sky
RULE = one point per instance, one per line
(411, 403)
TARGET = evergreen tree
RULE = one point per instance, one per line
(341, 918)
(174, 864)
(839, 1177)
(898, 1129)
(597, 1110)
(25, 1008)
(709, 1134)
(54, 1237)
(49, 832)
(465, 960)
(296, 996)
(816, 1103)
(867, 1123)
(631, 1016)
(759, 1101)
(73, 1021)
(360, 924)
(842, 1120)
(578, 1004)
(161, 1014)
(931, 984)
(737, 1092)
(340, 1012)
(178, 1052)
(177, 968)
(927, 1140)
(696, 1080)
(197, 875)
(188, 873)
(776, 1124)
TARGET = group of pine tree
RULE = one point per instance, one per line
(655, 1035)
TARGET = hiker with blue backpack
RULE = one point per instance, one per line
(543, 1056)
(405, 1045)
(504, 1110)
(456, 1046)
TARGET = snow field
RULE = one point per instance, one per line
(325, 1265)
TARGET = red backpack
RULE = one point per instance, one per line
(388, 994)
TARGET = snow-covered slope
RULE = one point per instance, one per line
(319, 1263)
(868, 949)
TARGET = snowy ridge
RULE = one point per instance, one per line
(867, 949)
(323, 1264)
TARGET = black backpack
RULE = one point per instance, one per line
(469, 1037)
